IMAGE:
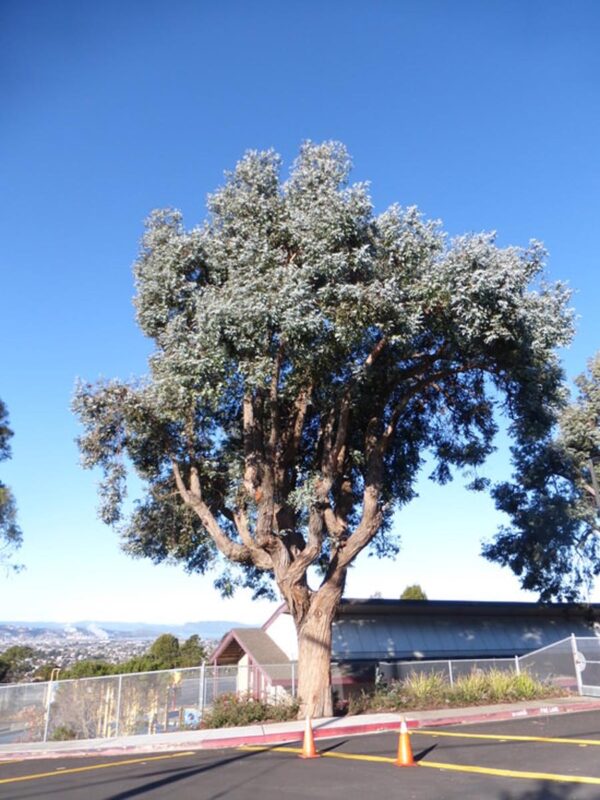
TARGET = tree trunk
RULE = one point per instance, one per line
(314, 654)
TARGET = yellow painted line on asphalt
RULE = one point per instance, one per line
(508, 738)
(58, 772)
(512, 773)
(497, 772)
(298, 750)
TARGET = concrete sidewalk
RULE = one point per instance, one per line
(274, 733)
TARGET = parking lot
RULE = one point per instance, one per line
(546, 758)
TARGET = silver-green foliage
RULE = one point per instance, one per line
(308, 354)
(554, 501)
(10, 533)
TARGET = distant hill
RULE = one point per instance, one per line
(88, 629)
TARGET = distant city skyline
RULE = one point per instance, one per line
(486, 116)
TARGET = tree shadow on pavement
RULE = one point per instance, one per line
(547, 791)
(180, 775)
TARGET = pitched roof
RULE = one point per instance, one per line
(259, 646)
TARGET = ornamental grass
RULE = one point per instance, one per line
(421, 691)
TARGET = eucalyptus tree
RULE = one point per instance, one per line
(309, 354)
(10, 533)
(554, 501)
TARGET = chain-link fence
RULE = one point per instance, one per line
(175, 700)
(587, 661)
(139, 703)
(22, 712)
(553, 664)
(450, 670)
(572, 663)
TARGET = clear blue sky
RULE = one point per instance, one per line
(486, 115)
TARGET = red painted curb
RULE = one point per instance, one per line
(319, 733)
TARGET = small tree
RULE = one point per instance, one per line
(413, 592)
(10, 533)
(554, 501)
(165, 651)
(193, 652)
(308, 353)
(15, 663)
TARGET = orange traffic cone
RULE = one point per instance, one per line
(308, 747)
(405, 753)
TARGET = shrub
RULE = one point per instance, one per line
(63, 733)
(231, 710)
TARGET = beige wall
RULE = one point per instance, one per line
(283, 633)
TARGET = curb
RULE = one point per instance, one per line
(296, 735)
(376, 727)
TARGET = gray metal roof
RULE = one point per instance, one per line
(452, 630)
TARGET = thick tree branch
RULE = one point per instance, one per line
(376, 352)
(297, 427)
(250, 445)
(259, 556)
(298, 567)
(192, 497)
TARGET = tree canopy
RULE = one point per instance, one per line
(193, 652)
(164, 653)
(14, 663)
(413, 592)
(10, 533)
(309, 354)
(554, 501)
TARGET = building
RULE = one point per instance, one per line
(372, 637)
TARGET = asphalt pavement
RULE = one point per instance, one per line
(550, 757)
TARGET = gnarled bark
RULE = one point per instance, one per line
(314, 651)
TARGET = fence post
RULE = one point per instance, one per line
(450, 675)
(118, 714)
(48, 701)
(577, 672)
(201, 691)
(293, 679)
(517, 665)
